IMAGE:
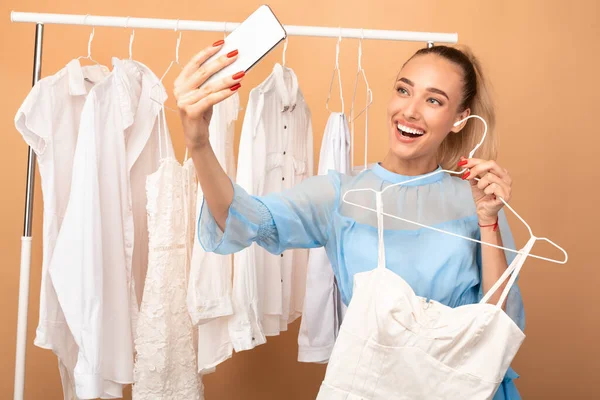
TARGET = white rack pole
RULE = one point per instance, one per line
(213, 26)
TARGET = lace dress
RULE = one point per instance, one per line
(165, 365)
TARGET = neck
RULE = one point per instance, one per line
(408, 167)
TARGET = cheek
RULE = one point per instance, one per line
(438, 122)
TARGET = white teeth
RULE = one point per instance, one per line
(410, 130)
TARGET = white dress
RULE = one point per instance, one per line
(165, 365)
(394, 344)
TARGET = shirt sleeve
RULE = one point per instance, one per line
(76, 265)
(299, 217)
(34, 118)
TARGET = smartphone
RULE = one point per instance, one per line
(254, 38)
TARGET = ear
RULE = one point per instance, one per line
(460, 117)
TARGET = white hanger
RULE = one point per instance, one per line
(369, 101)
(532, 236)
(173, 62)
(131, 37)
(336, 69)
(89, 47)
(285, 44)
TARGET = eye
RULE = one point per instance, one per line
(434, 101)
(402, 90)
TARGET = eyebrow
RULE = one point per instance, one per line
(433, 90)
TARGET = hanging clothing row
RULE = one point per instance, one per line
(120, 218)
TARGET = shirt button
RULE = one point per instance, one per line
(284, 153)
(281, 254)
(283, 179)
(285, 127)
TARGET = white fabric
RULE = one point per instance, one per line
(322, 306)
(165, 364)
(276, 153)
(394, 344)
(94, 261)
(48, 120)
(210, 286)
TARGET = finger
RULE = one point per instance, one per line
(204, 103)
(481, 167)
(197, 94)
(489, 178)
(495, 189)
(207, 70)
(200, 58)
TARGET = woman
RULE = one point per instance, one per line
(436, 88)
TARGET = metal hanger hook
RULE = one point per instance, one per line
(362, 36)
(89, 54)
(337, 50)
(285, 45)
(131, 37)
(178, 42)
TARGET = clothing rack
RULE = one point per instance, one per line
(41, 19)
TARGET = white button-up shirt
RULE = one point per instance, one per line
(103, 241)
(209, 289)
(322, 312)
(276, 152)
(48, 120)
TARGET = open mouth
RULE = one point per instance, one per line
(409, 132)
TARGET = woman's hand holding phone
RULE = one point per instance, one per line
(195, 100)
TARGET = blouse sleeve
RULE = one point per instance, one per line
(299, 217)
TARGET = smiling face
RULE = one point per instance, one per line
(423, 109)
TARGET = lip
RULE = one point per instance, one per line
(407, 124)
(405, 139)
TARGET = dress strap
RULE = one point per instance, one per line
(162, 133)
(513, 271)
(380, 239)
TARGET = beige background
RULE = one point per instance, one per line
(542, 58)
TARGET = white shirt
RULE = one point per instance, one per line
(48, 119)
(322, 312)
(94, 259)
(276, 153)
(209, 289)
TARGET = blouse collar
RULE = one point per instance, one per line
(392, 177)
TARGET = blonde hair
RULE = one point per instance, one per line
(477, 97)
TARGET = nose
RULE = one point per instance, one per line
(411, 110)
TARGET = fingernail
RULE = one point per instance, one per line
(235, 87)
(462, 162)
(466, 175)
(232, 54)
(239, 75)
(218, 43)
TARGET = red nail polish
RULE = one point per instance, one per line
(218, 43)
(232, 54)
(239, 75)
(462, 162)
(235, 87)
(466, 175)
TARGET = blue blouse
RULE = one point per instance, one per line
(313, 214)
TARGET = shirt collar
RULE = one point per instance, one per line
(392, 177)
(77, 75)
(76, 79)
(288, 97)
(138, 108)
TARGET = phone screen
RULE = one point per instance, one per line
(254, 38)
